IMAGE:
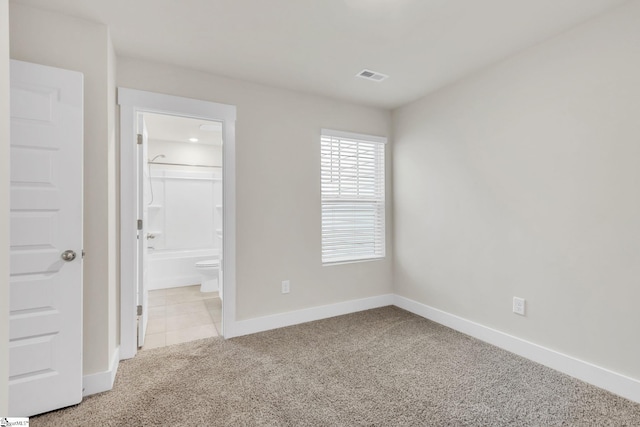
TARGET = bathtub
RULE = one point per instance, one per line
(174, 268)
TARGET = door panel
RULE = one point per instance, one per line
(143, 242)
(45, 319)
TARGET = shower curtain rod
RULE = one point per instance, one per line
(184, 164)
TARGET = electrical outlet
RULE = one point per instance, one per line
(285, 286)
(518, 306)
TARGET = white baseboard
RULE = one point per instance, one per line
(585, 371)
(600, 377)
(260, 324)
(102, 381)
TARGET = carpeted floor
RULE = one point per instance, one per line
(382, 367)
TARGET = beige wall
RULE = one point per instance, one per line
(4, 202)
(79, 45)
(522, 180)
(278, 187)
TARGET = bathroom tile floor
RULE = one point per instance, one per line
(178, 315)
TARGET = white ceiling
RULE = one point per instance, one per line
(318, 46)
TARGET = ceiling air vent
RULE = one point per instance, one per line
(371, 75)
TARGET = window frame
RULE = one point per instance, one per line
(377, 236)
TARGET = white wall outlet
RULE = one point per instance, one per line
(518, 306)
(285, 286)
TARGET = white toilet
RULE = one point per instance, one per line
(209, 269)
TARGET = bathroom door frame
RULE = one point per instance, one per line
(132, 102)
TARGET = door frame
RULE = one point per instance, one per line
(132, 102)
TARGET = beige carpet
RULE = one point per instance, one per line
(382, 367)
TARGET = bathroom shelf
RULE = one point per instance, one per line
(154, 206)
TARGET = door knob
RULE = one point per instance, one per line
(68, 255)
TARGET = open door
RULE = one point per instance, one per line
(143, 235)
(45, 319)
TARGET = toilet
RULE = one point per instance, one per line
(209, 269)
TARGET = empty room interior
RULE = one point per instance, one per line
(379, 212)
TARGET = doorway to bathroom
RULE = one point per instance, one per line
(177, 222)
(182, 221)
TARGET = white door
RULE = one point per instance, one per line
(143, 200)
(45, 319)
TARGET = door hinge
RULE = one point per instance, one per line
(139, 224)
(139, 310)
(139, 141)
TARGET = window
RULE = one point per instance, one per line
(352, 187)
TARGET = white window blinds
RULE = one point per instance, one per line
(352, 187)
